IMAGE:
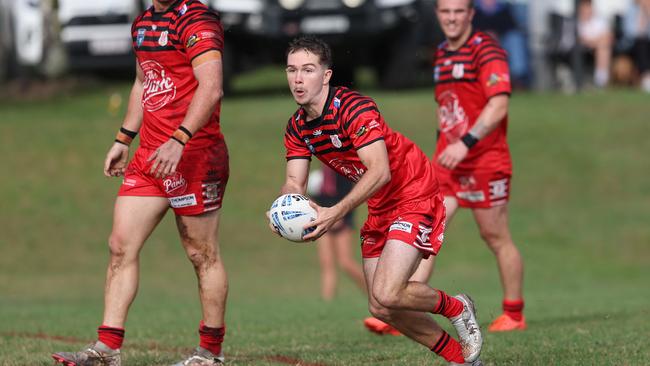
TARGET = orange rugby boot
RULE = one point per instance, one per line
(504, 323)
(377, 326)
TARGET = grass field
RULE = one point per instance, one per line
(580, 213)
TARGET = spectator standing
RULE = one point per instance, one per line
(636, 29)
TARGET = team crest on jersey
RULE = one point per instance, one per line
(361, 131)
(478, 40)
(337, 103)
(140, 38)
(436, 73)
(336, 141)
(183, 10)
(163, 38)
(159, 89)
(458, 71)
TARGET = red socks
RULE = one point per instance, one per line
(112, 337)
(447, 306)
(449, 349)
(514, 308)
(211, 338)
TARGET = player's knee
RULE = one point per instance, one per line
(386, 297)
(201, 257)
(380, 312)
(117, 246)
(493, 237)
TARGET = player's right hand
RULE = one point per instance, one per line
(271, 226)
(116, 159)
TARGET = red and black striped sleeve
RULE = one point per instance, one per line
(295, 147)
(493, 71)
(362, 121)
(199, 30)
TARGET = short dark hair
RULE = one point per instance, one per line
(313, 45)
(470, 5)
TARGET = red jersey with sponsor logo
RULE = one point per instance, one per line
(165, 44)
(349, 122)
(465, 80)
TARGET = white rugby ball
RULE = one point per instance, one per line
(289, 214)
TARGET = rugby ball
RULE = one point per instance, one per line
(289, 213)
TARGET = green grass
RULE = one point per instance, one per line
(580, 213)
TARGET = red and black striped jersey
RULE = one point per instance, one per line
(465, 79)
(165, 43)
(349, 122)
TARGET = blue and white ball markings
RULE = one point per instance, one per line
(289, 214)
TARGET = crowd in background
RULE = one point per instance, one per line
(613, 37)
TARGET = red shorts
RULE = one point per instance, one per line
(196, 187)
(420, 224)
(473, 189)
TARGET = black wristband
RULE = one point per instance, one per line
(129, 133)
(122, 142)
(185, 131)
(177, 140)
(469, 140)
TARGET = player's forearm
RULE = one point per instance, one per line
(491, 116)
(291, 187)
(133, 118)
(366, 187)
(205, 100)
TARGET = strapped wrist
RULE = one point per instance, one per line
(125, 137)
(469, 140)
(182, 135)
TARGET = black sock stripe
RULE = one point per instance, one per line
(441, 344)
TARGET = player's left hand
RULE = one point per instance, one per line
(326, 217)
(165, 158)
(453, 154)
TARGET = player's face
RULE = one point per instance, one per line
(308, 79)
(455, 18)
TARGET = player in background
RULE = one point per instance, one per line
(472, 158)
(182, 163)
(346, 132)
(335, 246)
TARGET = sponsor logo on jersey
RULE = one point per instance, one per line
(337, 103)
(194, 38)
(458, 71)
(347, 168)
(140, 38)
(163, 38)
(451, 116)
(401, 226)
(175, 184)
(309, 145)
(129, 182)
(159, 89)
(373, 124)
(471, 196)
(495, 79)
(183, 201)
(336, 141)
(318, 133)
